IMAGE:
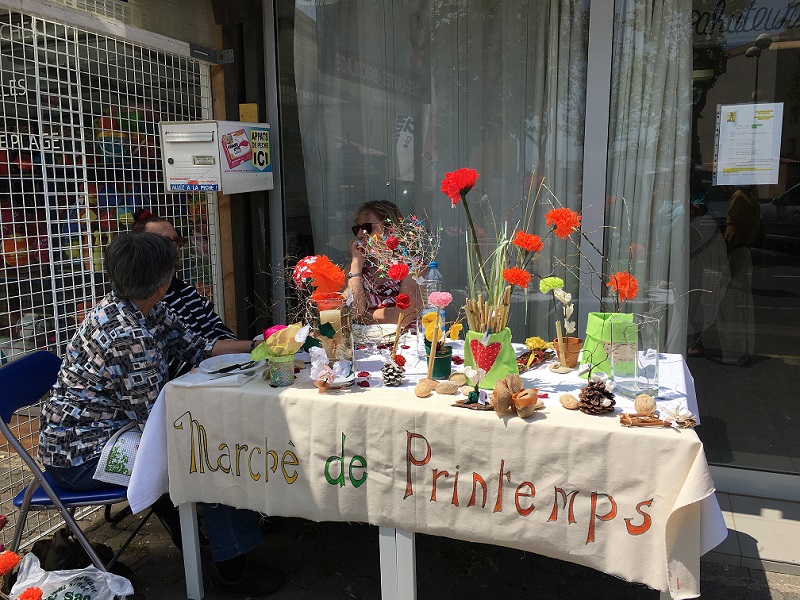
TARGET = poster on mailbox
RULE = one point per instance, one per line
(245, 147)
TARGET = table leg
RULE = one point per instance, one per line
(388, 549)
(191, 551)
(406, 565)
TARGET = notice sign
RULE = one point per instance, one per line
(259, 144)
(748, 143)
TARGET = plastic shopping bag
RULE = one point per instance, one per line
(89, 583)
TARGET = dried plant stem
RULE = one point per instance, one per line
(397, 334)
(562, 356)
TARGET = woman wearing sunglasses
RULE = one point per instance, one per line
(374, 295)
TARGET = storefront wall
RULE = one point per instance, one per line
(613, 106)
(79, 154)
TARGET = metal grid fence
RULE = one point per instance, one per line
(79, 154)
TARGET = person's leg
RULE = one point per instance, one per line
(233, 533)
(80, 477)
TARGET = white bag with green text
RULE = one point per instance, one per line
(89, 583)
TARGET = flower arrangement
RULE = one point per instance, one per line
(281, 341)
(508, 264)
(9, 560)
(406, 248)
(556, 285)
(440, 300)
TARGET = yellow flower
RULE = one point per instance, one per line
(537, 343)
(455, 331)
(429, 318)
(429, 328)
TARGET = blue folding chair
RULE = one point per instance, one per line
(23, 383)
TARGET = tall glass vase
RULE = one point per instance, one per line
(633, 354)
(332, 325)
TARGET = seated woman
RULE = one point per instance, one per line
(196, 312)
(112, 372)
(374, 296)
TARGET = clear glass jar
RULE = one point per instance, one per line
(332, 325)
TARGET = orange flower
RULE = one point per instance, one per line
(32, 593)
(518, 277)
(458, 183)
(565, 220)
(624, 284)
(8, 560)
(326, 276)
(527, 241)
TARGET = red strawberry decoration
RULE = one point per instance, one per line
(484, 355)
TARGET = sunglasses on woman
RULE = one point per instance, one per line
(365, 227)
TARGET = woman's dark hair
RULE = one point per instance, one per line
(383, 209)
(141, 218)
(138, 265)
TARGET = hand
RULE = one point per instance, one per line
(357, 258)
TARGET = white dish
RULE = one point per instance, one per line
(380, 332)
(343, 381)
(215, 363)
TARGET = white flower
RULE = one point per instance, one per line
(569, 326)
(302, 334)
(568, 309)
(562, 296)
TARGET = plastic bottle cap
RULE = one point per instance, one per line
(433, 265)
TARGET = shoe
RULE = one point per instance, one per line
(258, 581)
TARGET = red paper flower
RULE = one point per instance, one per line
(516, 276)
(32, 593)
(400, 360)
(528, 242)
(458, 183)
(326, 276)
(403, 301)
(398, 271)
(302, 270)
(8, 560)
(624, 284)
(392, 242)
(565, 221)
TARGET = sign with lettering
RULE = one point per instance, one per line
(748, 144)
(562, 484)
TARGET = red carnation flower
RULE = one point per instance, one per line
(624, 284)
(392, 242)
(398, 271)
(528, 242)
(458, 183)
(400, 360)
(403, 301)
(565, 221)
(518, 277)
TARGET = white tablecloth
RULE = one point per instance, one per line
(636, 503)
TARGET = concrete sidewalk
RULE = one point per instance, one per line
(341, 561)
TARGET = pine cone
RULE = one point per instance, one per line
(595, 399)
(392, 374)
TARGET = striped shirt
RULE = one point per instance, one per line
(197, 315)
(380, 294)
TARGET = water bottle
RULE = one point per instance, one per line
(433, 283)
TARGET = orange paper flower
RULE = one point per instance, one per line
(325, 276)
(518, 277)
(457, 183)
(528, 242)
(8, 560)
(624, 284)
(565, 221)
(32, 593)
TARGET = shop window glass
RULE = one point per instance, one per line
(745, 230)
(387, 97)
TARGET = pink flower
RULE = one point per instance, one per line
(440, 299)
(273, 329)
